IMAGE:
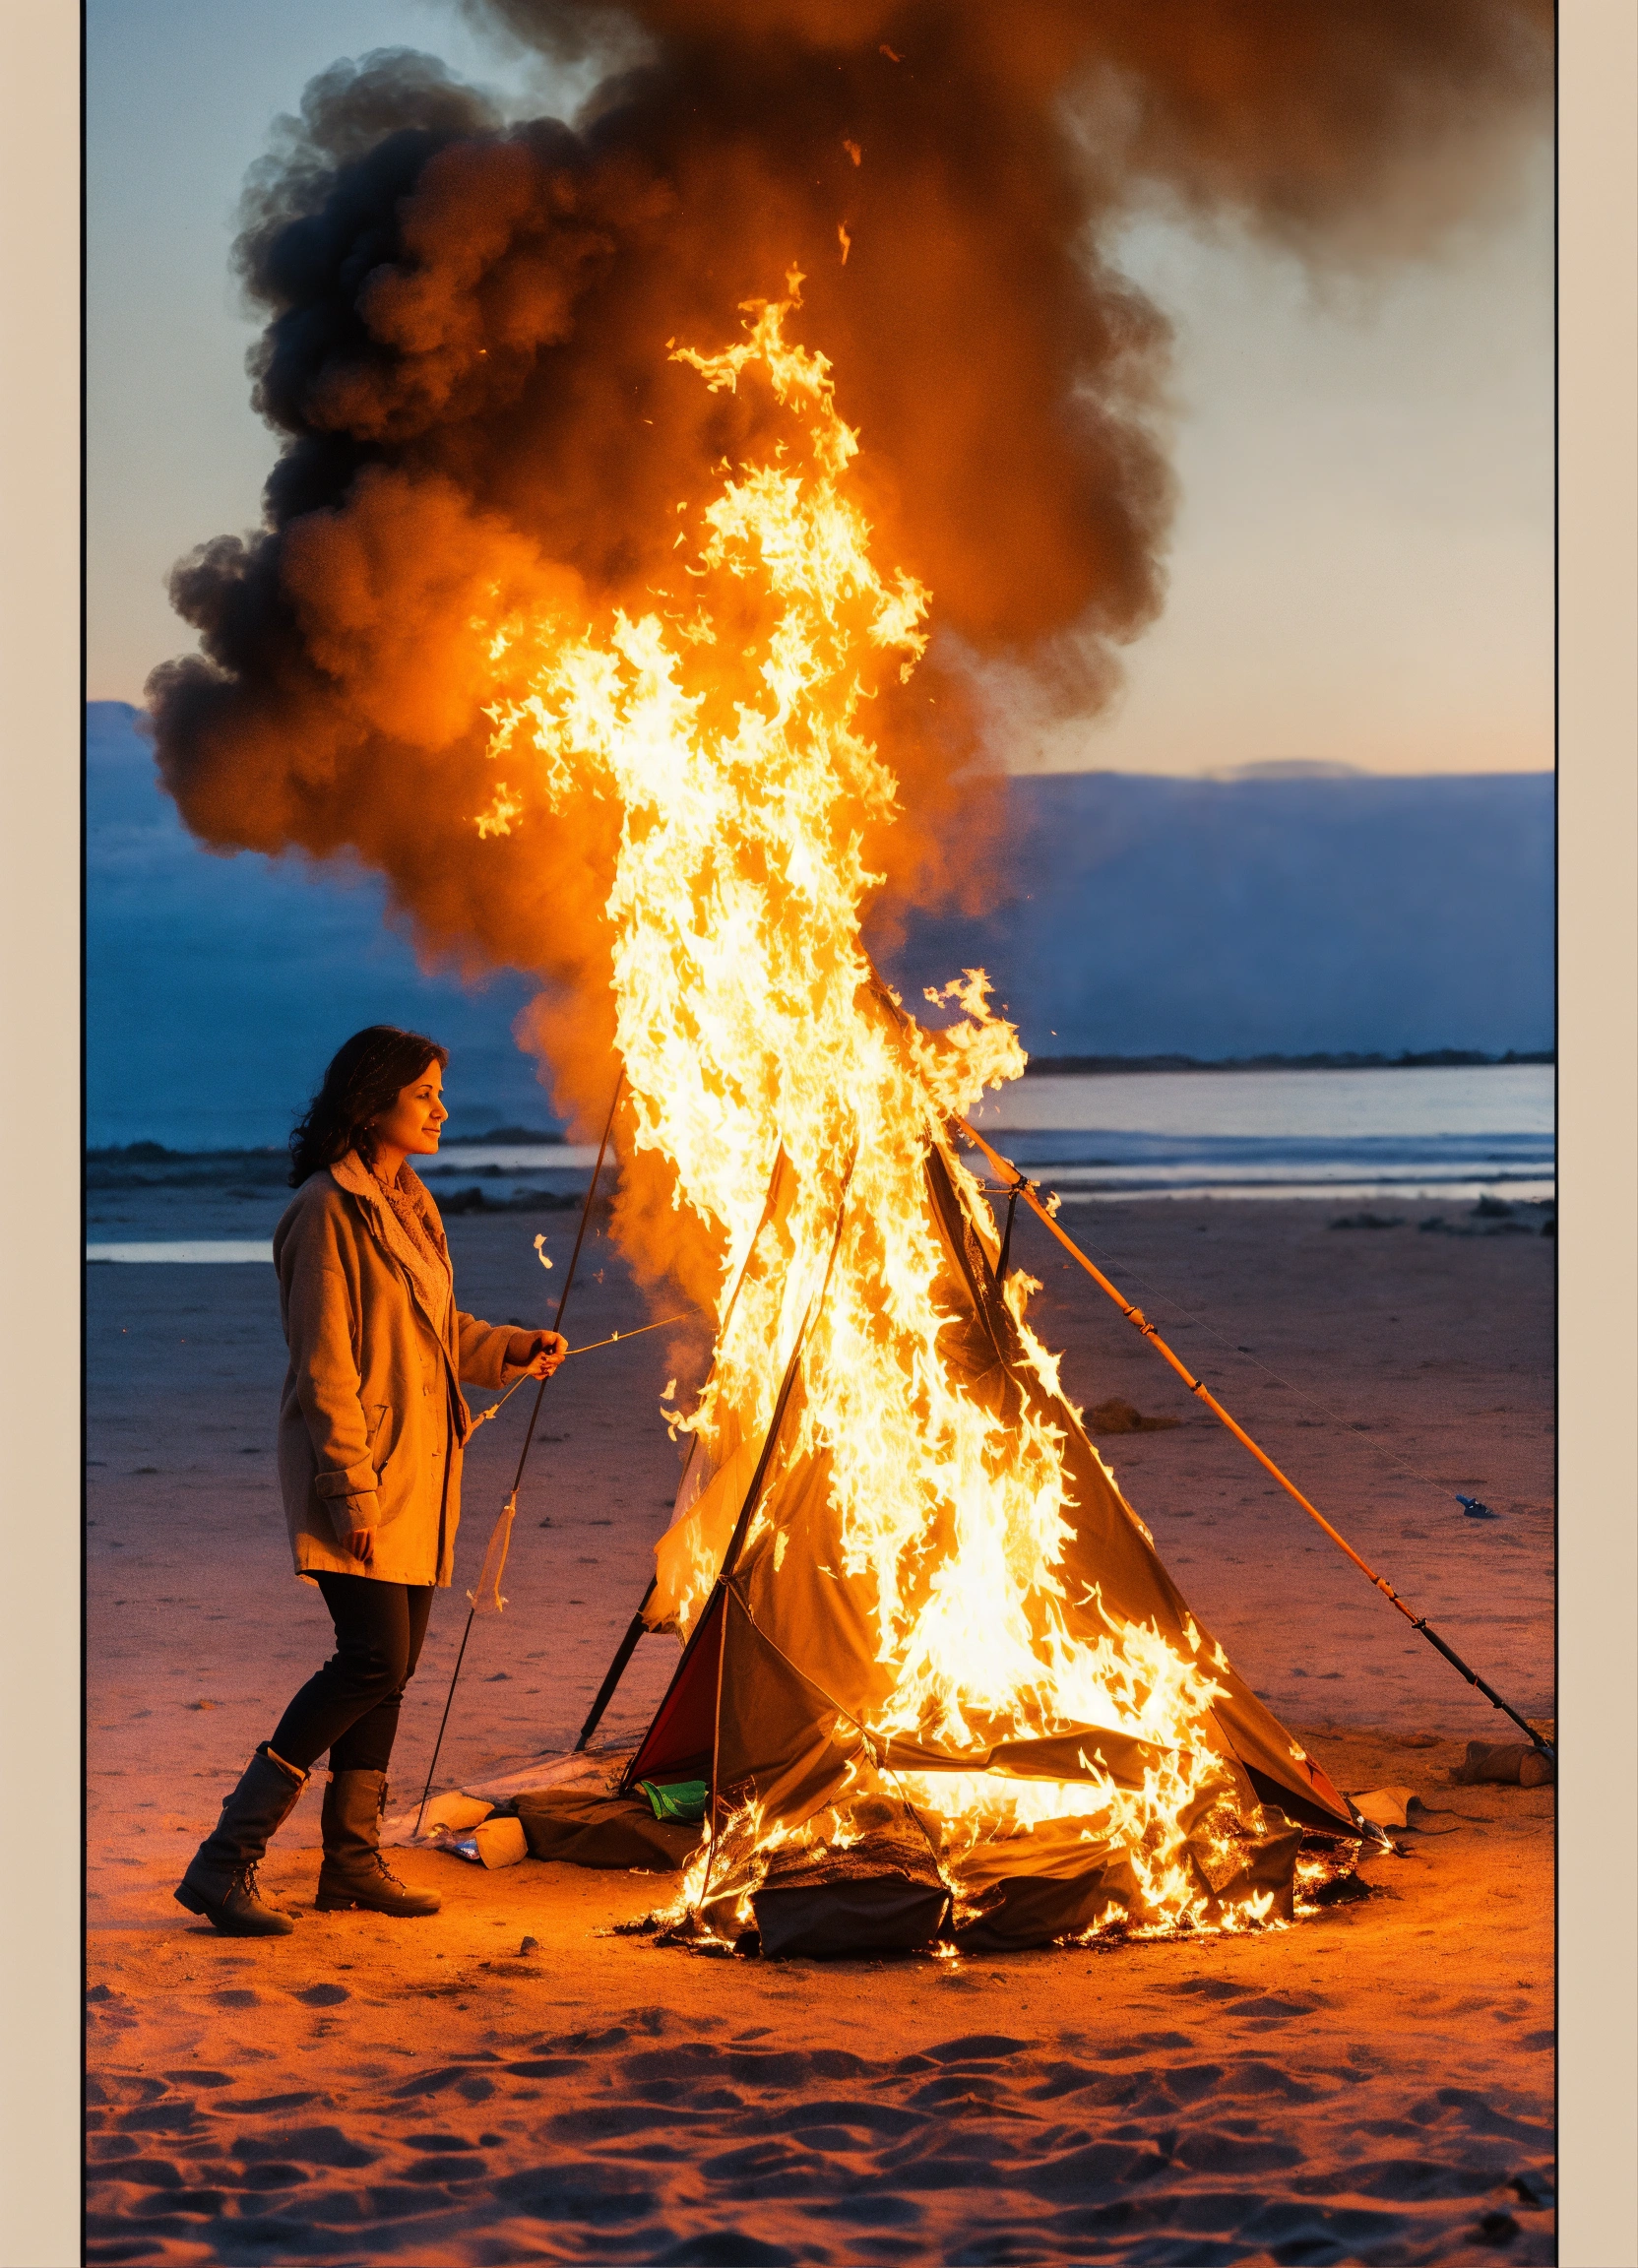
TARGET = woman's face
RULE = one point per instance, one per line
(413, 1123)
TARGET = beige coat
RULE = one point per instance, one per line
(372, 1421)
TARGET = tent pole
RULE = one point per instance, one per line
(627, 1646)
(616, 1671)
(730, 1558)
(1145, 1329)
(716, 1737)
(534, 1419)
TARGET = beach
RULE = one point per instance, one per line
(1375, 2083)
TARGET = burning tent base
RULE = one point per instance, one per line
(827, 1829)
(872, 1879)
(879, 1895)
(888, 1893)
(876, 1873)
(881, 1892)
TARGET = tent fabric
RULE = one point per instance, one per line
(1111, 1549)
(589, 1828)
(779, 1686)
(696, 1542)
(680, 1743)
(882, 1893)
(708, 1500)
(883, 1911)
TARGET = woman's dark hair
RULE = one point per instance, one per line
(367, 1073)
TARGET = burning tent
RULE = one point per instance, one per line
(843, 1810)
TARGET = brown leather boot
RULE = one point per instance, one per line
(220, 1881)
(353, 1872)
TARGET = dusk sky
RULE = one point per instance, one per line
(1362, 572)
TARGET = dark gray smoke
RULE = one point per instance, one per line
(465, 354)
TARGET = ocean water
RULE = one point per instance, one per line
(1453, 1134)
(212, 1251)
(1447, 1131)
(1375, 1101)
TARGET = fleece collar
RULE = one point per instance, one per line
(355, 1176)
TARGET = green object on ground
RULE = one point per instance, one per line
(678, 1798)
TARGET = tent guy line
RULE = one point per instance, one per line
(1307, 1397)
(1020, 1186)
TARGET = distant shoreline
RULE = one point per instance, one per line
(1432, 1060)
(271, 1160)
(156, 1152)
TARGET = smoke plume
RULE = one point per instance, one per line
(466, 355)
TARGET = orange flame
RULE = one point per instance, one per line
(729, 725)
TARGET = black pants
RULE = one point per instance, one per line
(350, 1706)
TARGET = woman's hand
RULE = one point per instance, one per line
(362, 1543)
(539, 1352)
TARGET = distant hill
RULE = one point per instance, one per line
(1286, 916)
(1131, 916)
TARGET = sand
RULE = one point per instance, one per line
(1375, 2084)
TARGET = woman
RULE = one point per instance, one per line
(371, 1434)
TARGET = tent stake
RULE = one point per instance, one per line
(1021, 1188)
(534, 1418)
